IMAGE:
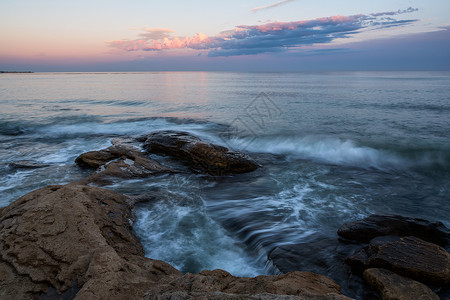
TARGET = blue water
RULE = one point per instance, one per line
(334, 147)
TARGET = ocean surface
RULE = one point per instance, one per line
(334, 147)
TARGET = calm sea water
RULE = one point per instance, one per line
(335, 147)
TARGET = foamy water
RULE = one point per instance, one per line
(333, 148)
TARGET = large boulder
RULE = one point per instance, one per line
(219, 284)
(408, 256)
(392, 286)
(199, 155)
(381, 225)
(73, 240)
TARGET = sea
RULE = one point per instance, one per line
(333, 147)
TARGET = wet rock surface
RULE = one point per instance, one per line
(219, 284)
(408, 256)
(200, 155)
(392, 286)
(381, 225)
(403, 255)
(119, 161)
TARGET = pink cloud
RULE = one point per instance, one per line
(163, 42)
(270, 37)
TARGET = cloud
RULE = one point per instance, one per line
(156, 33)
(163, 42)
(394, 13)
(256, 9)
(265, 38)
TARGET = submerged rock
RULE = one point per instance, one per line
(322, 255)
(26, 164)
(121, 162)
(408, 256)
(392, 286)
(381, 225)
(73, 238)
(219, 284)
(199, 155)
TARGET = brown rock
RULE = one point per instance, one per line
(392, 286)
(205, 157)
(119, 161)
(219, 284)
(96, 159)
(73, 237)
(408, 256)
(381, 225)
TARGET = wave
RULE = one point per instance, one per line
(325, 149)
(438, 108)
(85, 126)
(345, 152)
(173, 233)
(11, 128)
(106, 102)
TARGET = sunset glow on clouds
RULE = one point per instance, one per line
(148, 43)
(269, 37)
(136, 35)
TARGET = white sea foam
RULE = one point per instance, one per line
(299, 209)
(328, 150)
(187, 238)
(9, 181)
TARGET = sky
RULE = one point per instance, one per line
(202, 35)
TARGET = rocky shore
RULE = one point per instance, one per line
(76, 241)
(403, 258)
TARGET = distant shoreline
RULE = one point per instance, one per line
(16, 72)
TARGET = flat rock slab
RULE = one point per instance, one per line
(408, 256)
(219, 284)
(381, 225)
(199, 155)
(392, 286)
